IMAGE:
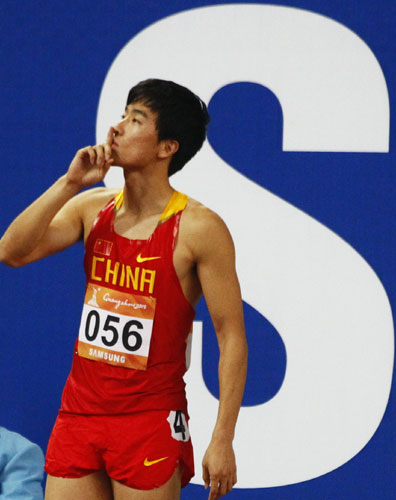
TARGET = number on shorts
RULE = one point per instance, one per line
(178, 426)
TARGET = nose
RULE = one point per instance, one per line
(116, 129)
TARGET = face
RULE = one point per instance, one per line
(135, 142)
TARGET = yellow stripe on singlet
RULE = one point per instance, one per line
(176, 204)
(119, 198)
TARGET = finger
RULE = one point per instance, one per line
(92, 155)
(107, 149)
(230, 484)
(205, 476)
(110, 134)
(214, 488)
(222, 488)
(100, 155)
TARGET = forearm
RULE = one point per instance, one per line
(26, 231)
(232, 378)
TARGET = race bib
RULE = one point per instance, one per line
(116, 327)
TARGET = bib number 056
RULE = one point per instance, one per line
(131, 339)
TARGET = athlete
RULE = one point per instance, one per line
(150, 252)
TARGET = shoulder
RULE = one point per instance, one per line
(93, 200)
(204, 228)
(13, 443)
(96, 194)
(201, 219)
(21, 466)
(85, 206)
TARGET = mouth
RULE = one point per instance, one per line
(114, 144)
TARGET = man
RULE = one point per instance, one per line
(150, 253)
(21, 467)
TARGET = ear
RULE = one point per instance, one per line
(168, 148)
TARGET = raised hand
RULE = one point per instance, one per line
(90, 164)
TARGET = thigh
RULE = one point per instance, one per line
(168, 491)
(96, 486)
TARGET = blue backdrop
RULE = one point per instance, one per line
(54, 58)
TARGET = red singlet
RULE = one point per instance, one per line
(131, 352)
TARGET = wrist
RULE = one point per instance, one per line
(69, 185)
(222, 436)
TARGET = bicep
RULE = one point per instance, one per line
(219, 281)
(65, 229)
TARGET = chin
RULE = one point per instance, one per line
(130, 168)
(119, 162)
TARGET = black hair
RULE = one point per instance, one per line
(181, 116)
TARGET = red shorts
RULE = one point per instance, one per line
(140, 450)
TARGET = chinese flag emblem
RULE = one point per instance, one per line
(103, 247)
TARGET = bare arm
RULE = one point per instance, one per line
(215, 259)
(53, 222)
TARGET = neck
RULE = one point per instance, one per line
(146, 192)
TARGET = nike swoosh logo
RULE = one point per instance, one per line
(147, 462)
(139, 258)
